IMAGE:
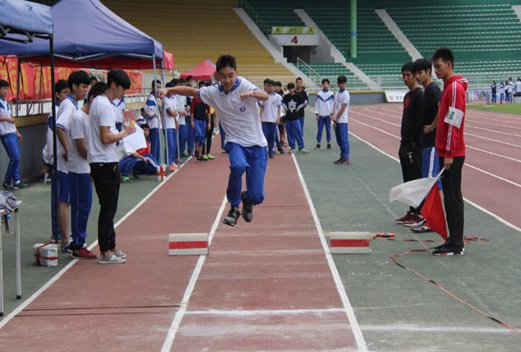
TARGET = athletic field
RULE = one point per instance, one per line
(272, 285)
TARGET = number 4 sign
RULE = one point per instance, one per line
(294, 40)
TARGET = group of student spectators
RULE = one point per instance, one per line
(506, 91)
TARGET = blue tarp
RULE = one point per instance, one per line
(87, 30)
(25, 16)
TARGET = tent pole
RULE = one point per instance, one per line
(166, 113)
(155, 93)
(54, 166)
(18, 74)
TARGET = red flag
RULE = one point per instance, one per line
(432, 211)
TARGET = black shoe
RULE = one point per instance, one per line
(339, 161)
(232, 217)
(281, 151)
(247, 208)
(271, 156)
(329, 146)
(447, 251)
(317, 146)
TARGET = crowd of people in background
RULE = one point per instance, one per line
(505, 91)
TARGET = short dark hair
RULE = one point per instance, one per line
(98, 89)
(208, 83)
(202, 84)
(119, 77)
(154, 82)
(266, 81)
(270, 82)
(422, 65)
(325, 80)
(298, 79)
(190, 77)
(341, 79)
(182, 80)
(226, 61)
(77, 78)
(3, 83)
(60, 85)
(278, 84)
(445, 54)
(175, 81)
(408, 67)
(144, 125)
(291, 85)
(93, 78)
(169, 85)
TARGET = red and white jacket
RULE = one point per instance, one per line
(450, 142)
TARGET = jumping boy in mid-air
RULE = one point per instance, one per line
(235, 101)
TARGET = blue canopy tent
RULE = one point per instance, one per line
(21, 23)
(88, 34)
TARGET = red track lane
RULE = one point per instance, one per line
(126, 307)
(266, 286)
(492, 172)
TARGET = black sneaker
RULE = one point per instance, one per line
(329, 146)
(448, 251)
(271, 156)
(19, 184)
(317, 146)
(339, 161)
(281, 151)
(247, 208)
(232, 217)
(9, 186)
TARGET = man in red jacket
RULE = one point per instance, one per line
(450, 146)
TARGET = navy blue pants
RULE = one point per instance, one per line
(171, 137)
(10, 142)
(294, 132)
(182, 138)
(270, 132)
(253, 161)
(342, 139)
(190, 137)
(155, 146)
(324, 121)
(223, 135)
(200, 127)
(80, 188)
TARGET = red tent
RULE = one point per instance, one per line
(203, 71)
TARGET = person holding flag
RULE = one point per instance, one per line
(450, 145)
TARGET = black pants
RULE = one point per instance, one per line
(209, 135)
(106, 180)
(411, 163)
(453, 200)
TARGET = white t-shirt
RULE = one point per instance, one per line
(119, 107)
(181, 106)
(101, 114)
(5, 111)
(324, 103)
(169, 103)
(151, 109)
(342, 98)
(271, 108)
(64, 116)
(78, 130)
(239, 118)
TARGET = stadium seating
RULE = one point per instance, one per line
(202, 30)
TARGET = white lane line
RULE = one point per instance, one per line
(66, 268)
(266, 312)
(178, 316)
(359, 338)
(497, 217)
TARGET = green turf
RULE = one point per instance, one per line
(509, 108)
(396, 310)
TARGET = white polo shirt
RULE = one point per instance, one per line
(324, 103)
(271, 108)
(64, 116)
(342, 98)
(239, 118)
(169, 103)
(181, 106)
(5, 111)
(151, 109)
(78, 130)
(101, 114)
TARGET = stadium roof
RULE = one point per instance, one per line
(87, 33)
(21, 21)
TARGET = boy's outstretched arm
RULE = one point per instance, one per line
(257, 94)
(181, 90)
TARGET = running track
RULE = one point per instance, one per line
(492, 171)
(269, 285)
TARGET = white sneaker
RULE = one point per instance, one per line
(111, 259)
(119, 253)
